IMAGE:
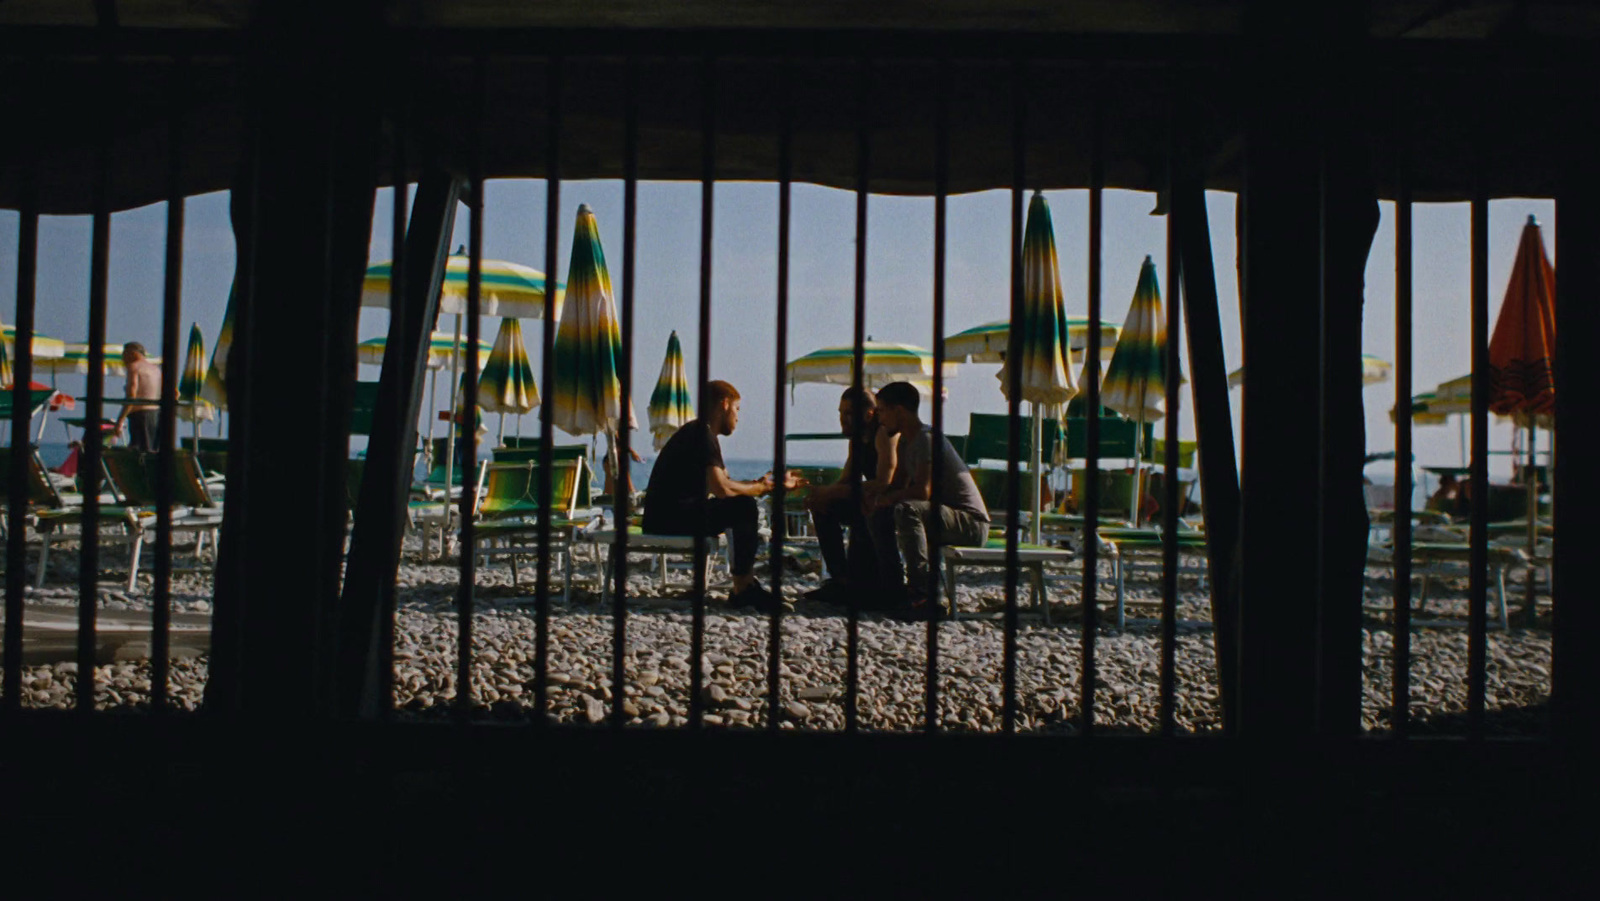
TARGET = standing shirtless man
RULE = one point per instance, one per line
(144, 381)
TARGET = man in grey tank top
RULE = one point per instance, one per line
(903, 514)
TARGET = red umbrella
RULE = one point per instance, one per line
(1522, 361)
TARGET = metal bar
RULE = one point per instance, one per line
(468, 426)
(708, 176)
(167, 426)
(1091, 407)
(1478, 478)
(90, 472)
(852, 671)
(1169, 479)
(1014, 345)
(401, 406)
(941, 164)
(621, 487)
(17, 475)
(1400, 700)
(780, 410)
(552, 251)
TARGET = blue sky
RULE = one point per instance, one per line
(899, 284)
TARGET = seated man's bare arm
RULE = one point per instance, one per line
(718, 484)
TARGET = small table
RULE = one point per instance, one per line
(1031, 557)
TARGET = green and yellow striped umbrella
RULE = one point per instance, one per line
(76, 361)
(1135, 383)
(509, 290)
(670, 404)
(506, 383)
(882, 362)
(987, 343)
(192, 404)
(1374, 371)
(1045, 378)
(441, 347)
(588, 390)
(6, 376)
(215, 387)
(44, 348)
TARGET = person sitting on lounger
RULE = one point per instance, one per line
(1444, 500)
(840, 505)
(903, 514)
(690, 493)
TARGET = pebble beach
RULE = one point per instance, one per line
(813, 656)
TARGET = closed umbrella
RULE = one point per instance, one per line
(1136, 378)
(1045, 379)
(1522, 361)
(214, 389)
(191, 384)
(588, 388)
(506, 384)
(670, 404)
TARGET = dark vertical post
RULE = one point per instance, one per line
(552, 262)
(1478, 475)
(171, 313)
(17, 475)
(1091, 409)
(1400, 700)
(621, 493)
(1280, 285)
(415, 279)
(852, 671)
(1575, 668)
(1015, 339)
(467, 441)
(1219, 475)
(941, 188)
(779, 446)
(1349, 208)
(89, 473)
(1169, 479)
(708, 180)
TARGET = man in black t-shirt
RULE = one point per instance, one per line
(837, 506)
(690, 493)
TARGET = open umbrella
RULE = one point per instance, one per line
(191, 384)
(670, 404)
(506, 384)
(588, 389)
(1522, 361)
(44, 348)
(1046, 382)
(882, 362)
(1136, 379)
(443, 350)
(504, 289)
(987, 343)
(1374, 371)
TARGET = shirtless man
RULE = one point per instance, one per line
(144, 381)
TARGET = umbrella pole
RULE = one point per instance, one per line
(1138, 465)
(1038, 451)
(500, 437)
(1461, 423)
(1530, 481)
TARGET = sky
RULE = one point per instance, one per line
(744, 257)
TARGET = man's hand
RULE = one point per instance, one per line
(765, 484)
(792, 480)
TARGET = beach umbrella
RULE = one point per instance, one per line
(670, 404)
(506, 384)
(1374, 371)
(44, 348)
(510, 290)
(1045, 379)
(192, 404)
(443, 350)
(987, 343)
(214, 390)
(1136, 379)
(1522, 362)
(882, 362)
(588, 389)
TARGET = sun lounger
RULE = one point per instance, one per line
(1133, 549)
(1429, 559)
(510, 512)
(659, 546)
(1030, 557)
(133, 475)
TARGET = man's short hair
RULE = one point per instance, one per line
(718, 391)
(860, 397)
(134, 347)
(900, 394)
